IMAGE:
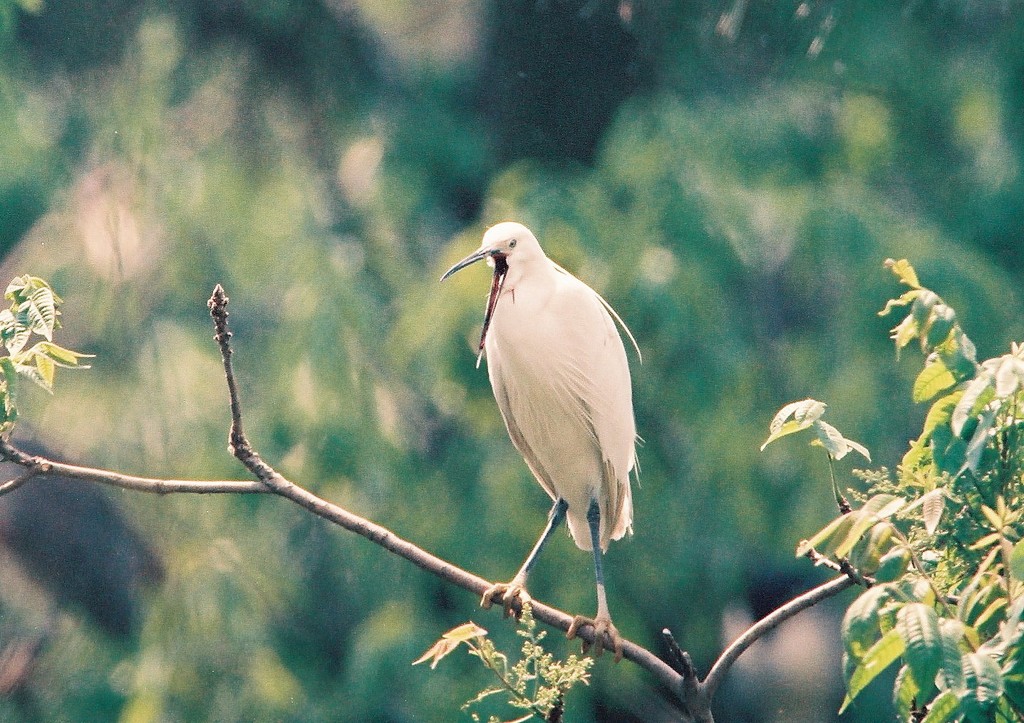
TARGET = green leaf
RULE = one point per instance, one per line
(892, 565)
(905, 298)
(959, 354)
(1017, 561)
(10, 375)
(1013, 688)
(40, 312)
(20, 287)
(922, 307)
(905, 693)
(29, 371)
(942, 321)
(834, 528)
(933, 379)
(859, 449)
(917, 455)
(8, 409)
(16, 337)
(1011, 630)
(940, 412)
(860, 623)
(874, 510)
(790, 427)
(951, 668)
(881, 655)
(1008, 376)
(831, 439)
(948, 450)
(980, 589)
(976, 395)
(804, 411)
(918, 624)
(870, 554)
(903, 332)
(983, 685)
(932, 505)
(804, 414)
(835, 443)
(904, 272)
(944, 707)
(60, 356)
(994, 518)
(979, 440)
(46, 368)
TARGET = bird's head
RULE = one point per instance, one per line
(512, 250)
(507, 246)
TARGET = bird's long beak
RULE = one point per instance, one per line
(497, 282)
(471, 259)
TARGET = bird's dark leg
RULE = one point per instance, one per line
(507, 593)
(602, 622)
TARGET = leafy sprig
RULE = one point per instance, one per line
(536, 683)
(939, 547)
(33, 314)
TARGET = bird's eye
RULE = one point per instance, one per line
(512, 244)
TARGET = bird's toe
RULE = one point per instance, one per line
(604, 631)
(494, 591)
(574, 627)
(511, 595)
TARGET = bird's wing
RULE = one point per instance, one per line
(596, 378)
(519, 440)
(607, 307)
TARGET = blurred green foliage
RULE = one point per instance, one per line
(325, 162)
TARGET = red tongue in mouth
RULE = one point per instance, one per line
(497, 283)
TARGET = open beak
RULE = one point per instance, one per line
(471, 259)
(497, 282)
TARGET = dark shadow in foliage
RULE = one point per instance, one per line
(72, 539)
(554, 73)
(78, 35)
(319, 51)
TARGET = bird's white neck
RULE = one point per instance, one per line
(530, 271)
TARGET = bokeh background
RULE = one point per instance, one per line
(729, 174)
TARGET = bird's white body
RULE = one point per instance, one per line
(559, 373)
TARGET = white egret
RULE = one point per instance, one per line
(559, 373)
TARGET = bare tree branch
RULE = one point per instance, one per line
(696, 702)
(680, 678)
(13, 484)
(768, 623)
(40, 466)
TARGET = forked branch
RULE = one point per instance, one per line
(679, 678)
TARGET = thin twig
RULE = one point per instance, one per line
(841, 502)
(844, 566)
(769, 623)
(13, 484)
(679, 659)
(696, 701)
(39, 465)
(847, 568)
